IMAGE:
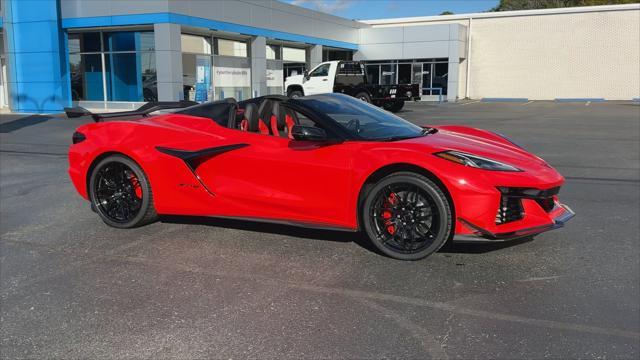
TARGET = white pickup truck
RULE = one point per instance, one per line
(349, 77)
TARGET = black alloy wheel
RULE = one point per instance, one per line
(120, 193)
(407, 216)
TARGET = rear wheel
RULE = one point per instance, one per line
(363, 96)
(394, 106)
(295, 94)
(407, 216)
(120, 193)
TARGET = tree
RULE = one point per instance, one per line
(446, 13)
(508, 5)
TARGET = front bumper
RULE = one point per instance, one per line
(560, 215)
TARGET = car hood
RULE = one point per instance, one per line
(479, 142)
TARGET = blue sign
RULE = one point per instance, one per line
(203, 78)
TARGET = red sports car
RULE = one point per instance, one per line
(322, 161)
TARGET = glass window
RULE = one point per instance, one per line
(129, 41)
(85, 42)
(373, 74)
(292, 69)
(417, 73)
(294, 54)
(86, 77)
(131, 76)
(329, 55)
(273, 52)
(440, 77)
(361, 119)
(196, 44)
(388, 75)
(322, 70)
(426, 79)
(196, 77)
(231, 48)
(404, 73)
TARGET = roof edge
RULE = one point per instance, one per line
(495, 14)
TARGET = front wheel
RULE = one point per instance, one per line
(120, 193)
(407, 216)
(363, 96)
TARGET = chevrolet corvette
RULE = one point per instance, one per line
(323, 161)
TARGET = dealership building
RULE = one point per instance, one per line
(115, 54)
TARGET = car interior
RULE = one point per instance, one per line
(266, 115)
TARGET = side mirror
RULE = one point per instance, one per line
(306, 75)
(309, 133)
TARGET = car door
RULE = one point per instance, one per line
(280, 179)
(319, 80)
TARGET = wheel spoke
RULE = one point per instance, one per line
(115, 192)
(404, 217)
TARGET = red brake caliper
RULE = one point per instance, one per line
(386, 214)
(136, 186)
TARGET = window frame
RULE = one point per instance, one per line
(322, 66)
(104, 53)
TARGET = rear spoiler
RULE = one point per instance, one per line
(142, 111)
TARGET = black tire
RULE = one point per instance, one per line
(426, 214)
(129, 189)
(394, 106)
(295, 94)
(363, 96)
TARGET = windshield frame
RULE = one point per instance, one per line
(366, 109)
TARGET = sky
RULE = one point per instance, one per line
(379, 9)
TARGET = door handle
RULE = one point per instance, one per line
(325, 79)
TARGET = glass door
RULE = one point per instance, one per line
(441, 76)
(404, 74)
(388, 74)
(373, 74)
(426, 78)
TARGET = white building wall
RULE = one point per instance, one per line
(588, 55)
(591, 52)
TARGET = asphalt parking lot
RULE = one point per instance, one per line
(72, 287)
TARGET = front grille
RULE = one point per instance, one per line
(510, 210)
(511, 202)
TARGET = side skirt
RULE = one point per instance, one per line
(302, 224)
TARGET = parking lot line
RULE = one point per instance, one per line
(471, 102)
(527, 103)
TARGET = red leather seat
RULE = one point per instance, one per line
(290, 119)
(277, 120)
(250, 121)
(264, 116)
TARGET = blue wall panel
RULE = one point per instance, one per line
(38, 67)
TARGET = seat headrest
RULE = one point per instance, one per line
(251, 114)
(292, 115)
(279, 113)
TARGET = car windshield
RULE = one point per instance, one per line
(363, 120)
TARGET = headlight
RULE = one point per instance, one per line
(475, 161)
